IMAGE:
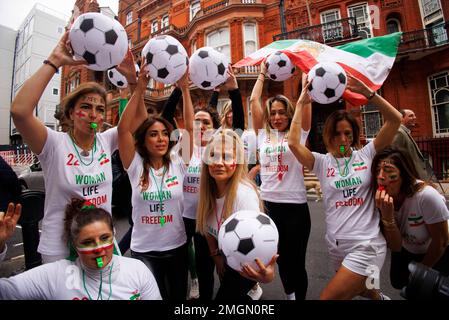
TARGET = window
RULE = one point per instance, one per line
(372, 120)
(55, 91)
(393, 25)
(361, 13)
(164, 23)
(250, 38)
(154, 26)
(439, 95)
(195, 6)
(129, 17)
(332, 28)
(130, 43)
(219, 40)
(431, 10)
(193, 46)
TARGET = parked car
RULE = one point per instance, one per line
(32, 178)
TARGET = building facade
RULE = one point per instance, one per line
(419, 79)
(37, 36)
(7, 47)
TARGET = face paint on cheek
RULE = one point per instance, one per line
(95, 249)
(80, 114)
(233, 165)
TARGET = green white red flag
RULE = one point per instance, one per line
(369, 60)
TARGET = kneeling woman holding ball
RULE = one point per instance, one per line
(224, 190)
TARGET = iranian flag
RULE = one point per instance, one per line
(369, 60)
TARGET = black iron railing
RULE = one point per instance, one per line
(335, 31)
(425, 38)
(436, 150)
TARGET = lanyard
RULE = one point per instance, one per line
(159, 193)
(346, 167)
(219, 221)
(100, 293)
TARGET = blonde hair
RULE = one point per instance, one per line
(207, 202)
(288, 108)
(224, 112)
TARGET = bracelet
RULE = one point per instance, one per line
(387, 223)
(215, 253)
(372, 94)
(48, 62)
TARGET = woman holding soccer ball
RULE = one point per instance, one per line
(76, 163)
(225, 189)
(282, 187)
(356, 246)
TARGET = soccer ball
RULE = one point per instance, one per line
(247, 235)
(279, 66)
(328, 82)
(166, 59)
(208, 68)
(117, 79)
(99, 40)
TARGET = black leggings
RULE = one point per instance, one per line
(399, 273)
(205, 265)
(169, 269)
(293, 223)
(234, 287)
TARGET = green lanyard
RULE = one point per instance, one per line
(100, 294)
(346, 168)
(92, 151)
(159, 193)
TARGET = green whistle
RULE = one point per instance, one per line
(162, 221)
(93, 125)
(342, 149)
(100, 263)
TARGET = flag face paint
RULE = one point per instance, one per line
(95, 249)
(387, 173)
(81, 114)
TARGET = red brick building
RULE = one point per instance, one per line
(419, 79)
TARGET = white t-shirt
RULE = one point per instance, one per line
(281, 173)
(246, 199)
(148, 233)
(425, 207)
(348, 200)
(191, 184)
(249, 139)
(65, 280)
(67, 177)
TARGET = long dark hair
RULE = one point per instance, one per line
(77, 218)
(330, 128)
(407, 169)
(213, 115)
(140, 137)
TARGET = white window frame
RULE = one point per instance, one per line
(245, 40)
(130, 43)
(367, 21)
(431, 16)
(219, 46)
(328, 34)
(154, 26)
(129, 17)
(433, 105)
(165, 21)
(374, 110)
(195, 7)
(397, 22)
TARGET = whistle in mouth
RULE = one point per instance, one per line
(93, 125)
(100, 263)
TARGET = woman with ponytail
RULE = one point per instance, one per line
(97, 274)
(76, 163)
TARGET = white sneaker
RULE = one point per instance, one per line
(256, 292)
(194, 289)
(384, 297)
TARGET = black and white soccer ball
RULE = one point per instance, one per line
(328, 82)
(166, 59)
(247, 235)
(208, 68)
(279, 66)
(119, 80)
(99, 40)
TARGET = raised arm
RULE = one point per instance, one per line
(300, 151)
(33, 131)
(306, 108)
(169, 109)
(238, 116)
(392, 117)
(187, 112)
(128, 121)
(255, 104)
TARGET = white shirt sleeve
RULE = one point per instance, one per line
(111, 138)
(433, 205)
(53, 138)
(318, 165)
(34, 284)
(247, 199)
(3, 253)
(149, 290)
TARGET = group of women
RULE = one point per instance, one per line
(185, 186)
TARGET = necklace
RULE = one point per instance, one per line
(346, 167)
(84, 153)
(100, 293)
(159, 193)
(219, 221)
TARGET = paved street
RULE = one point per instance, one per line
(317, 265)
